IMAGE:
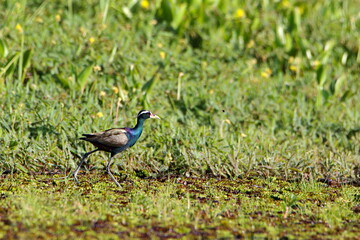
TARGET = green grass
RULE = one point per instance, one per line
(245, 89)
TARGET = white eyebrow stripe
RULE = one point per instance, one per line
(142, 112)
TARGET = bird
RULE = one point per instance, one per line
(114, 141)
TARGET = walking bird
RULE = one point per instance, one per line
(115, 140)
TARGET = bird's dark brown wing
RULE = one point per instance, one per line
(109, 139)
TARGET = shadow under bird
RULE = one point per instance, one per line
(115, 140)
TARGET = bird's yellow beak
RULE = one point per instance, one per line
(154, 116)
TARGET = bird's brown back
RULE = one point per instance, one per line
(109, 139)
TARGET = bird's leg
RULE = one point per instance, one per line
(109, 172)
(81, 162)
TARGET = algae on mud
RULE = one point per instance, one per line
(42, 206)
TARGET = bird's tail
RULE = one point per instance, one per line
(87, 137)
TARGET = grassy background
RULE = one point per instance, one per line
(260, 93)
(267, 87)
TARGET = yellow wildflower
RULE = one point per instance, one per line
(243, 135)
(145, 4)
(291, 60)
(315, 64)
(96, 68)
(285, 3)
(91, 40)
(115, 90)
(99, 115)
(19, 28)
(58, 18)
(293, 68)
(211, 91)
(240, 13)
(250, 44)
(159, 45)
(39, 20)
(83, 31)
(102, 94)
(162, 55)
(266, 73)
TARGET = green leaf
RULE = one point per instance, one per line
(280, 35)
(338, 84)
(179, 16)
(83, 77)
(165, 11)
(10, 65)
(150, 84)
(321, 75)
(3, 49)
(66, 83)
(26, 61)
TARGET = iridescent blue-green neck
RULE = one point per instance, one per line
(137, 130)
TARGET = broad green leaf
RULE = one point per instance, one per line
(288, 42)
(66, 83)
(338, 84)
(3, 49)
(127, 12)
(166, 11)
(280, 35)
(83, 77)
(150, 84)
(26, 58)
(179, 16)
(321, 75)
(10, 65)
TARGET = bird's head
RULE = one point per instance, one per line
(145, 114)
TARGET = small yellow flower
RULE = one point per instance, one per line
(145, 4)
(250, 44)
(266, 73)
(159, 45)
(102, 94)
(211, 91)
(96, 68)
(99, 115)
(153, 22)
(83, 31)
(315, 64)
(58, 18)
(19, 28)
(162, 55)
(181, 74)
(240, 13)
(39, 20)
(91, 40)
(243, 135)
(252, 62)
(285, 3)
(293, 68)
(291, 60)
(115, 90)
